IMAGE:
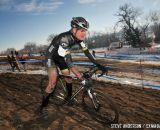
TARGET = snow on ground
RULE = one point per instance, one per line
(105, 78)
(143, 59)
(129, 81)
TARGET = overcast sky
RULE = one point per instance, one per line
(24, 21)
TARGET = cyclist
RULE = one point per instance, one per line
(58, 54)
(22, 59)
(13, 61)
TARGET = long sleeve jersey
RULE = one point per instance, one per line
(61, 45)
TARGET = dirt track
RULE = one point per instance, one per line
(20, 97)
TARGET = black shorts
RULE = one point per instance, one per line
(58, 61)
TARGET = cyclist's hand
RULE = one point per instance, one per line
(79, 76)
(100, 67)
(86, 75)
(103, 69)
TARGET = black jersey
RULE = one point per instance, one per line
(59, 50)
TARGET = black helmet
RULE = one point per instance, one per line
(79, 22)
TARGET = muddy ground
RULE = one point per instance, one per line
(20, 96)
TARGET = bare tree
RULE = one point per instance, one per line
(128, 21)
(30, 47)
(156, 29)
(8, 51)
(155, 21)
(154, 17)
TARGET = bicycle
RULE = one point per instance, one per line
(92, 100)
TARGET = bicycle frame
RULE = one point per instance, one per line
(85, 84)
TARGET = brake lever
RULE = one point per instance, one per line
(101, 74)
(94, 69)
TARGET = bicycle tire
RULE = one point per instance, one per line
(107, 111)
(59, 94)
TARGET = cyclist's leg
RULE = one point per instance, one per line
(13, 67)
(65, 70)
(17, 66)
(52, 74)
(11, 63)
(68, 82)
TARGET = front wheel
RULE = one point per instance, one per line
(101, 107)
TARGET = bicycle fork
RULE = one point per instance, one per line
(94, 99)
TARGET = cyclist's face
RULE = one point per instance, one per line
(80, 34)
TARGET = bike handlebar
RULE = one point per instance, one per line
(93, 70)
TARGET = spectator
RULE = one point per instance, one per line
(23, 61)
(14, 62)
(10, 61)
